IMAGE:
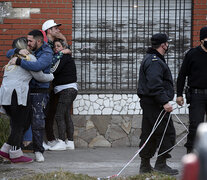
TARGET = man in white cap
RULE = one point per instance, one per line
(53, 32)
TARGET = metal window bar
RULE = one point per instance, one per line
(110, 38)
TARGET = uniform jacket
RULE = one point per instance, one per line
(16, 78)
(155, 78)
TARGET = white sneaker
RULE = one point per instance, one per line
(45, 146)
(69, 144)
(52, 143)
(39, 157)
(60, 146)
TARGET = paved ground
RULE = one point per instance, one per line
(99, 162)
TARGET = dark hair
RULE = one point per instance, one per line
(203, 33)
(61, 42)
(37, 34)
(20, 43)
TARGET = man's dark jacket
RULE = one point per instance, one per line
(155, 78)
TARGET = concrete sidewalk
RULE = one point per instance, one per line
(99, 162)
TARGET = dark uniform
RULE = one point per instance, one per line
(194, 67)
(155, 88)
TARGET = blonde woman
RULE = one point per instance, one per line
(15, 100)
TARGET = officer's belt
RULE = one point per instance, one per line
(198, 91)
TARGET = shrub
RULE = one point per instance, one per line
(4, 129)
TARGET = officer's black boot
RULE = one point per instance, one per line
(162, 167)
(145, 166)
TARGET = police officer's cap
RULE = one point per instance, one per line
(159, 38)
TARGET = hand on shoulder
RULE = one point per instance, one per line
(13, 61)
(24, 52)
(66, 51)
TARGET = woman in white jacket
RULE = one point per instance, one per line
(14, 99)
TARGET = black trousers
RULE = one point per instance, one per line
(63, 115)
(20, 120)
(197, 111)
(58, 109)
(50, 114)
(151, 111)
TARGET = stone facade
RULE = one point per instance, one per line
(111, 120)
(113, 104)
(93, 131)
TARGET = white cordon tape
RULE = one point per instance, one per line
(153, 130)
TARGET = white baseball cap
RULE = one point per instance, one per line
(48, 24)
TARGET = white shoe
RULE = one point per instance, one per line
(45, 146)
(39, 157)
(69, 144)
(60, 146)
(52, 143)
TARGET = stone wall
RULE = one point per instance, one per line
(114, 104)
(111, 120)
(115, 131)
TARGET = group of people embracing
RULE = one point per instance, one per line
(39, 87)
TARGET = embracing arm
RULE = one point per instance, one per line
(43, 62)
(67, 50)
(42, 77)
(10, 53)
(59, 55)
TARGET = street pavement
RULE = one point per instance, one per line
(98, 162)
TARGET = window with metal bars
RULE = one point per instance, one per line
(110, 38)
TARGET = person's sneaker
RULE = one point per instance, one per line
(39, 157)
(45, 146)
(52, 143)
(4, 155)
(69, 144)
(21, 159)
(60, 146)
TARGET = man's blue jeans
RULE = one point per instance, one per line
(39, 102)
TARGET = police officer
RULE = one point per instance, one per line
(194, 67)
(155, 89)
